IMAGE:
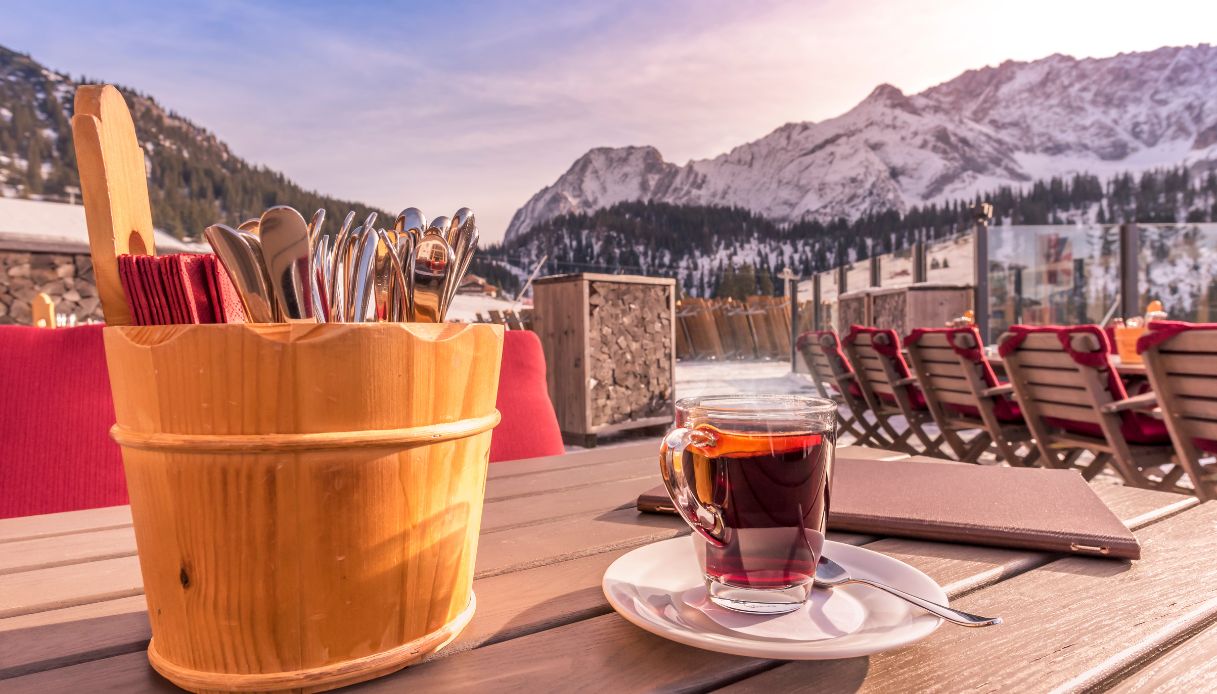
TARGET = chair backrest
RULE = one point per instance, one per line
(529, 427)
(1181, 363)
(950, 382)
(821, 350)
(875, 354)
(55, 417)
(1062, 374)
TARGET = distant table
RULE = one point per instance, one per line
(72, 610)
(1126, 370)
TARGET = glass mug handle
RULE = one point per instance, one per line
(674, 464)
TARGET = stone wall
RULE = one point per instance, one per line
(66, 277)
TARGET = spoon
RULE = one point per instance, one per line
(285, 249)
(250, 226)
(464, 243)
(463, 217)
(243, 262)
(321, 279)
(406, 240)
(430, 263)
(363, 300)
(397, 297)
(337, 258)
(830, 574)
(386, 269)
(411, 218)
(314, 226)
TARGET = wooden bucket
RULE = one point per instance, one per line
(1126, 343)
(306, 498)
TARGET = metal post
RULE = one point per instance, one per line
(1079, 292)
(876, 272)
(1017, 272)
(983, 214)
(919, 267)
(792, 291)
(1130, 247)
(817, 311)
(842, 279)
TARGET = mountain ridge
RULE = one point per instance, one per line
(194, 178)
(1008, 124)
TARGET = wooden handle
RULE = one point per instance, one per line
(114, 185)
(43, 308)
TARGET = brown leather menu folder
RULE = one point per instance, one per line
(1024, 508)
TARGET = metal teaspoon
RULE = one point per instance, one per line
(830, 574)
(432, 263)
(285, 248)
(337, 286)
(244, 269)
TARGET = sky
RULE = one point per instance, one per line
(440, 105)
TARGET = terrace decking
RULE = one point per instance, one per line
(72, 613)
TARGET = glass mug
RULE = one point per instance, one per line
(752, 476)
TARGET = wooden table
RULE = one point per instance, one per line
(72, 620)
(1126, 370)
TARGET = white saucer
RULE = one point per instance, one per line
(660, 588)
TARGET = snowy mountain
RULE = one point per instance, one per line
(1004, 125)
(194, 179)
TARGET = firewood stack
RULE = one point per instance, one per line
(610, 351)
(630, 351)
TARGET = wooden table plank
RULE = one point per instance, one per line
(622, 482)
(52, 524)
(515, 602)
(65, 586)
(576, 459)
(1074, 624)
(573, 478)
(1189, 667)
(46, 640)
(509, 606)
(594, 650)
(75, 548)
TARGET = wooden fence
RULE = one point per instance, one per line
(758, 328)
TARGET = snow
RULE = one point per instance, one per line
(37, 222)
(1007, 125)
(465, 307)
(698, 378)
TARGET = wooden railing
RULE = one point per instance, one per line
(757, 328)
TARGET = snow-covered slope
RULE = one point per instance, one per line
(1009, 124)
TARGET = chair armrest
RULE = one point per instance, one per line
(1145, 401)
(1003, 389)
(910, 381)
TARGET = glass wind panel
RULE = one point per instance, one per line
(828, 300)
(896, 269)
(857, 276)
(1177, 265)
(1052, 275)
(951, 260)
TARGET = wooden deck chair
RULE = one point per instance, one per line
(1181, 362)
(963, 393)
(834, 380)
(1073, 401)
(889, 387)
(512, 320)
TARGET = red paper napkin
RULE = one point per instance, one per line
(178, 288)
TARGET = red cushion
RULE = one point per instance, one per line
(1136, 427)
(891, 352)
(529, 427)
(55, 417)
